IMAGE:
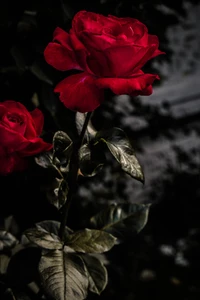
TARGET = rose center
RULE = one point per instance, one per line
(15, 119)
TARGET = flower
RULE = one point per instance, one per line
(109, 52)
(19, 132)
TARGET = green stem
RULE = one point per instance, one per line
(73, 174)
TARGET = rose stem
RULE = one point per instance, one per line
(73, 173)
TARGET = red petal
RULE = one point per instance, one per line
(38, 119)
(124, 59)
(11, 163)
(80, 51)
(11, 140)
(14, 106)
(79, 92)
(35, 146)
(14, 142)
(59, 53)
(140, 84)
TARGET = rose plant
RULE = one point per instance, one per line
(107, 52)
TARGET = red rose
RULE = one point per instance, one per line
(110, 51)
(19, 134)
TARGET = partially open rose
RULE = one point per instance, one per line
(109, 51)
(19, 136)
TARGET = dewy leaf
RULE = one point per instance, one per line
(60, 193)
(43, 239)
(62, 147)
(45, 160)
(52, 226)
(61, 142)
(56, 192)
(91, 241)
(122, 220)
(91, 160)
(121, 149)
(64, 275)
(98, 276)
(45, 235)
(90, 132)
(7, 240)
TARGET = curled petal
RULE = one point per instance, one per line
(120, 61)
(38, 120)
(80, 51)
(35, 146)
(79, 92)
(59, 53)
(140, 84)
(13, 106)
(153, 41)
(124, 59)
(14, 142)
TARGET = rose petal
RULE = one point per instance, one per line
(10, 163)
(14, 106)
(118, 61)
(59, 53)
(35, 146)
(14, 142)
(80, 51)
(38, 119)
(137, 85)
(100, 41)
(79, 92)
(14, 121)
(84, 20)
(91, 22)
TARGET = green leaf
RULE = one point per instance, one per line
(91, 160)
(45, 235)
(43, 239)
(61, 143)
(120, 147)
(56, 191)
(60, 193)
(98, 276)
(91, 241)
(122, 220)
(63, 275)
(62, 150)
(52, 226)
(45, 160)
(7, 240)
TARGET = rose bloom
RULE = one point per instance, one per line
(109, 51)
(19, 134)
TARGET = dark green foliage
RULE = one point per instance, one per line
(122, 220)
(122, 150)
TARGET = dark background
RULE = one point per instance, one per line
(163, 261)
